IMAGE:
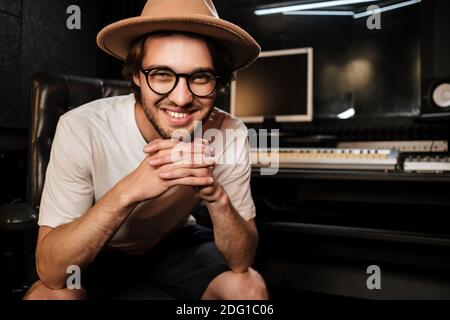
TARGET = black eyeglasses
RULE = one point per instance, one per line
(163, 80)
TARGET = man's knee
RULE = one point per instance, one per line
(257, 286)
(249, 286)
(39, 291)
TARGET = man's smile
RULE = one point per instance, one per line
(178, 118)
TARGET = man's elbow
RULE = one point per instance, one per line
(241, 267)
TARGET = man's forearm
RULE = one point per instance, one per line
(234, 237)
(78, 242)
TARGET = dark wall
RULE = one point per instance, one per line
(391, 86)
(48, 45)
(34, 37)
(39, 40)
(10, 49)
(435, 38)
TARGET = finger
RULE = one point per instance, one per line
(185, 172)
(179, 165)
(205, 149)
(160, 144)
(185, 158)
(192, 181)
(183, 148)
(170, 157)
(160, 153)
(201, 141)
(206, 190)
(195, 148)
(148, 145)
(187, 161)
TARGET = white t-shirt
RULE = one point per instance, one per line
(99, 143)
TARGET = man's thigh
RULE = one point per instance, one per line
(187, 262)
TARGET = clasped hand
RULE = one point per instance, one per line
(169, 163)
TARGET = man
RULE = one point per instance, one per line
(119, 188)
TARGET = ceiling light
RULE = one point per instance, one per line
(384, 9)
(308, 6)
(320, 13)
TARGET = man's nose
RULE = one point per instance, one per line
(181, 95)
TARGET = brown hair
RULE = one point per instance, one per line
(221, 61)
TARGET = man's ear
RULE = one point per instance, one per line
(136, 79)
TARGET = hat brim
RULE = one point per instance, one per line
(117, 38)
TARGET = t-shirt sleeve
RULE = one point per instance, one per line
(68, 188)
(234, 173)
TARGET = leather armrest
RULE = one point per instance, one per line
(17, 217)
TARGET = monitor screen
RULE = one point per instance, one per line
(277, 85)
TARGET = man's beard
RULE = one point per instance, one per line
(166, 133)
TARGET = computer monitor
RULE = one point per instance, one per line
(279, 85)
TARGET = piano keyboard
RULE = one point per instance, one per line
(431, 163)
(326, 158)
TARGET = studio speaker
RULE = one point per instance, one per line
(440, 95)
(437, 99)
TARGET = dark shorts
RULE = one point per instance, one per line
(182, 265)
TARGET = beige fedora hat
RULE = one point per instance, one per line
(194, 16)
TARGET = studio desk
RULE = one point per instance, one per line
(321, 229)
